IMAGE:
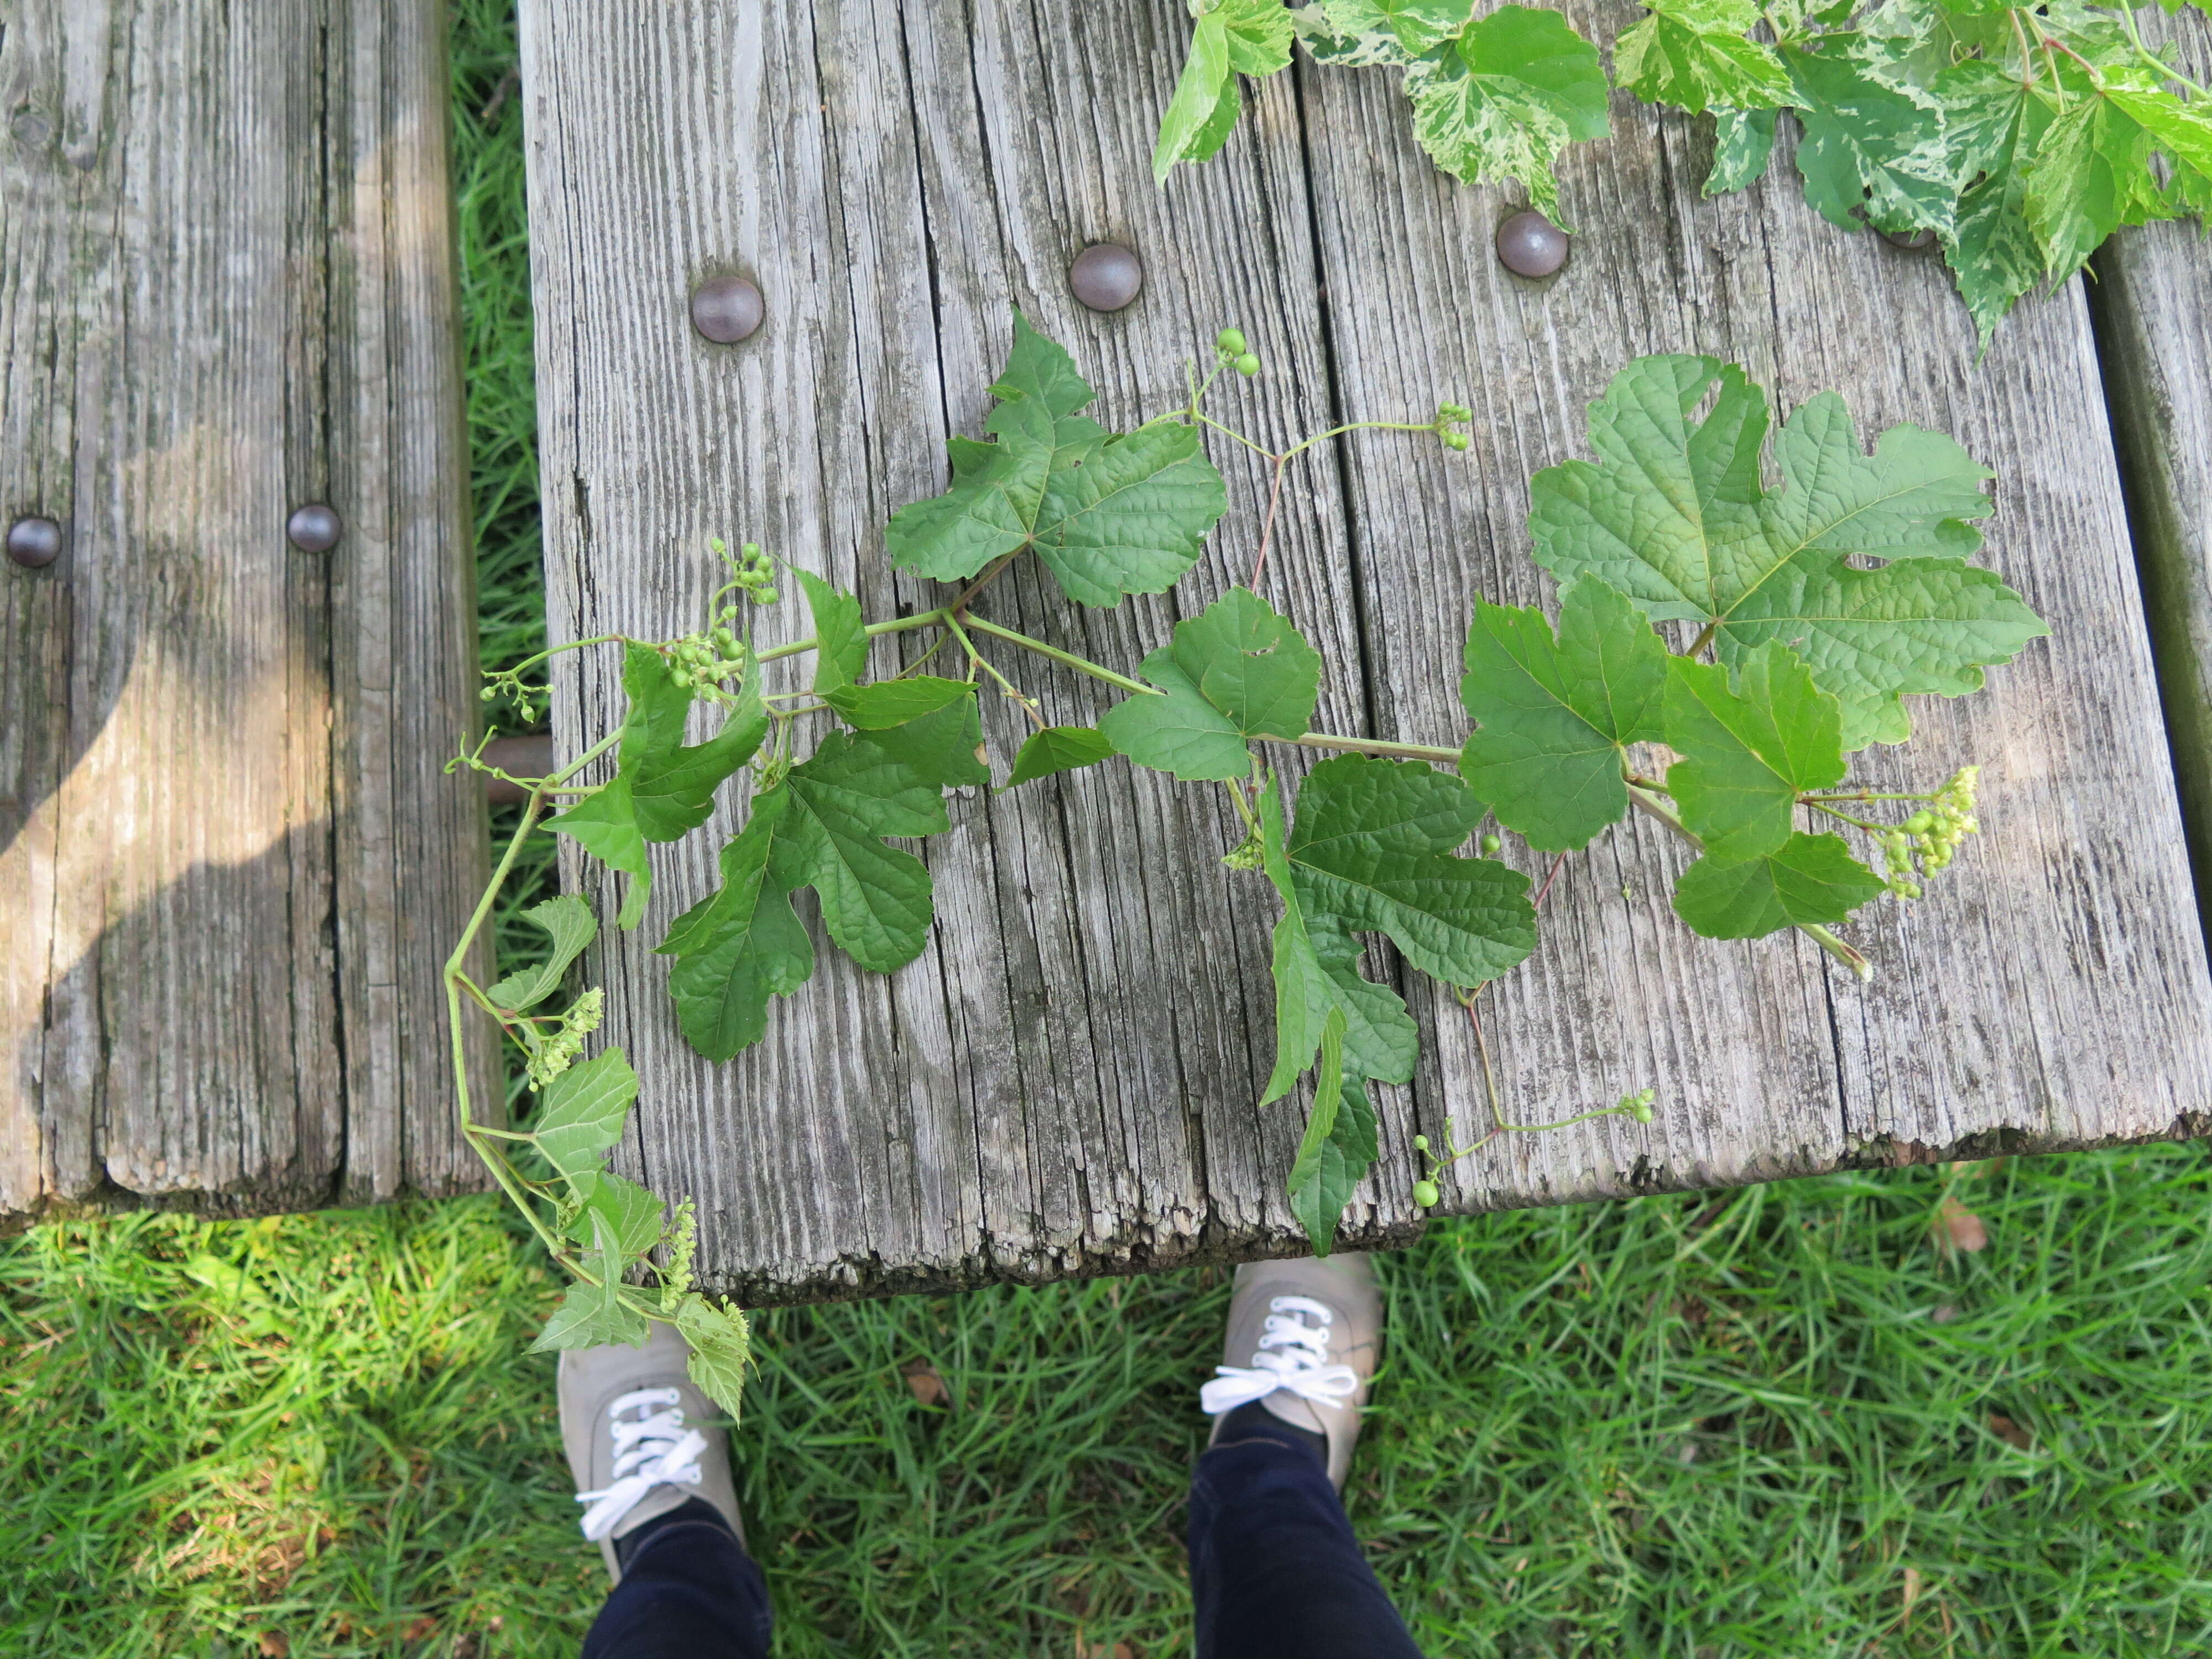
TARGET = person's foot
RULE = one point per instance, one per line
(641, 1439)
(1304, 1339)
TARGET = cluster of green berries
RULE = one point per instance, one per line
(1425, 1190)
(1246, 854)
(1931, 837)
(702, 663)
(751, 571)
(1638, 1105)
(509, 684)
(557, 1051)
(1449, 418)
(1230, 344)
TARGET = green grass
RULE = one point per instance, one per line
(1675, 1426)
(1779, 1423)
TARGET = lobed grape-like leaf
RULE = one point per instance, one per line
(1371, 851)
(824, 826)
(568, 923)
(1553, 716)
(582, 1112)
(1674, 514)
(1694, 54)
(1751, 743)
(1808, 879)
(662, 790)
(1506, 97)
(1237, 672)
(1108, 516)
(1059, 749)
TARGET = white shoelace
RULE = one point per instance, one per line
(652, 1449)
(1294, 1355)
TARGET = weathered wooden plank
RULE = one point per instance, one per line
(1064, 1083)
(2153, 306)
(2050, 991)
(228, 852)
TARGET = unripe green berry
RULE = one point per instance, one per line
(1920, 823)
(486, 693)
(1231, 342)
(1420, 1143)
(1426, 1194)
(1248, 365)
(1491, 844)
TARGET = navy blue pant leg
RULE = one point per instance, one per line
(690, 1592)
(1275, 1573)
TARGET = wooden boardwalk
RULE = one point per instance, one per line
(1064, 1084)
(228, 857)
(229, 861)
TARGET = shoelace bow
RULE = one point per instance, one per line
(653, 1450)
(1294, 1355)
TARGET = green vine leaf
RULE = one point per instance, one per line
(1693, 54)
(1504, 99)
(661, 790)
(1236, 672)
(1058, 748)
(1552, 716)
(583, 1111)
(1233, 37)
(1748, 750)
(1869, 148)
(888, 703)
(1409, 26)
(1108, 516)
(840, 642)
(568, 923)
(593, 1315)
(1743, 145)
(1372, 853)
(876, 899)
(943, 748)
(605, 825)
(623, 1211)
(721, 1341)
(1809, 879)
(822, 827)
(1338, 1145)
(1674, 515)
(740, 945)
(2091, 175)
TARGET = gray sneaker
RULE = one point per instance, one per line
(641, 1438)
(1304, 1339)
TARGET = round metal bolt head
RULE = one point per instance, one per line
(1106, 276)
(313, 528)
(1530, 245)
(726, 309)
(34, 543)
(1911, 241)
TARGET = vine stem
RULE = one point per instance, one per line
(1081, 664)
(1373, 746)
(899, 625)
(978, 659)
(1656, 807)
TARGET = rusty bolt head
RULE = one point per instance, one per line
(34, 543)
(1106, 276)
(1911, 241)
(313, 528)
(726, 309)
(1530, 245)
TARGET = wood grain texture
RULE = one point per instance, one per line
(2152, 306)
(1063, 1082)
(230, 862)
